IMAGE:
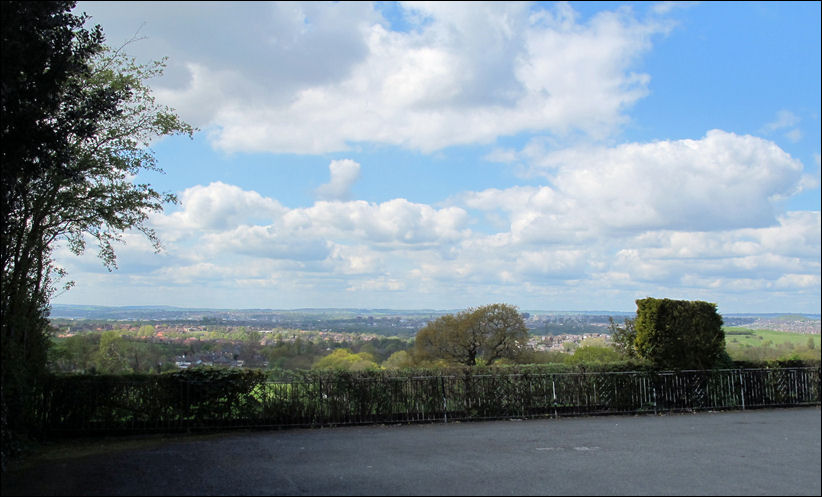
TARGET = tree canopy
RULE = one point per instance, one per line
(624, 337)
(344, 359)
(485, 334)
(77, 121)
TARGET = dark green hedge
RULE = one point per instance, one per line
(186, 398)
(227, 398)
(679, 334)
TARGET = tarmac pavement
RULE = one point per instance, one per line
(754, 452)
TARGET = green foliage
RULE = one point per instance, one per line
(745, 336)
(485, 334)
(111, 353)
(213, 393)
(533, 356)
(194, 397)
(767, 350)
(43, 49)
(116, 354)
(343, 359)
(77, 121)
(400, 359)
(679, 334)
(594, 354)
(74, 354)
(225, 398)
(624, 337)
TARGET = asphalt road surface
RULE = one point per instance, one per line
(754, 452)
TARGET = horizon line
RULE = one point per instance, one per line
(417, 309)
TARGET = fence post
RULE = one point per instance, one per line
(444, 404)
(554, 388)
(654, 390)
(742, 388)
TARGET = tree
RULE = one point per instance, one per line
(679, 334)
(77, 120)
(588, 353)
(75, 353)
(251, 348)
(486, 334)
(398, 360)
(344, 359)
(624, 338)
(111, 357)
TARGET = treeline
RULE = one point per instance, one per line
(123, 351)
(126, 351)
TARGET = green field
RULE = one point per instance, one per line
(737, 335)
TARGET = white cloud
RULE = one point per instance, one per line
(314, 78)
(395, 222)
(344, 173)
(379, 285)
(761, 254)
(722, 181)
(635, 201)
(220, 220)
(791, 281)
(219, 206)
(266, 242)
(695, 218)
(784, 119)
(351, 260)
(286, 45)
(562, 264)
(698, 218)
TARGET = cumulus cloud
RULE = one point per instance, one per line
(761, 254)
(219, 206)
(689, 217)
(366, 248)
(266, 242)
(218, 221)
(394, 222)
(663, 214)
(315, 78)
(722, 181)
(344, 173)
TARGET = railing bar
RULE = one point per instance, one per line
(127, 406)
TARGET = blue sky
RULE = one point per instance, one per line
(553, 156)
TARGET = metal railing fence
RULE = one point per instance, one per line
(83, 405)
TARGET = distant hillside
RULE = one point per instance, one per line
(171, 313)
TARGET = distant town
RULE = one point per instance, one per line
(400, 323)
(168, 337)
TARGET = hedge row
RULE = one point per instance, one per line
(221, 398)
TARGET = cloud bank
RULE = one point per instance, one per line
(595, 219)
(314, 78)
(683, 216)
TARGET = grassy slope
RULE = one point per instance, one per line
(758, 337)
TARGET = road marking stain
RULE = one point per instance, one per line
(580, 449)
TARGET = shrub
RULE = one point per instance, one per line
(679, 334)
